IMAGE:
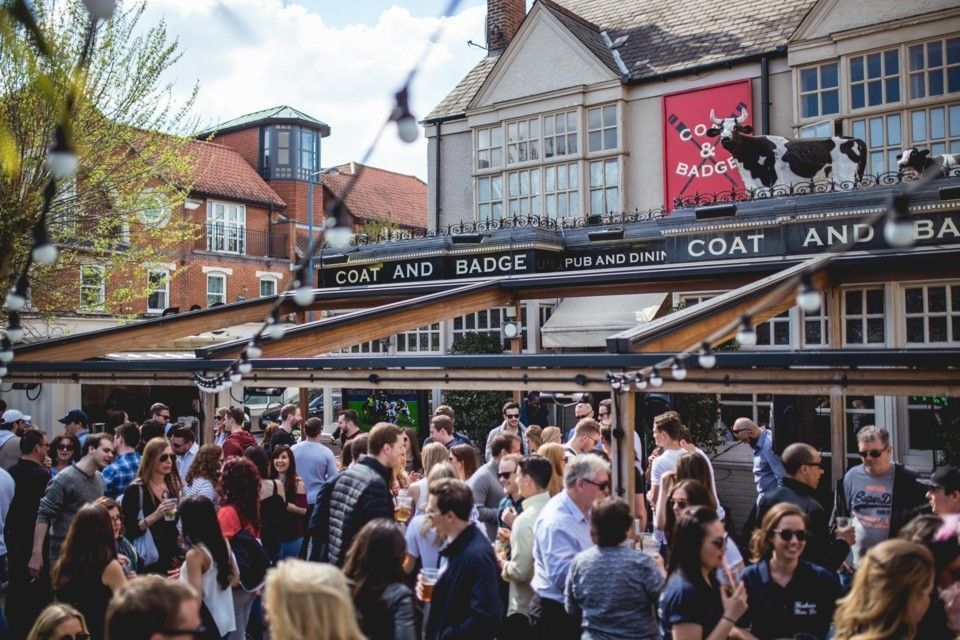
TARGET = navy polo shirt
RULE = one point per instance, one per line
(685, 602)
(804, 605)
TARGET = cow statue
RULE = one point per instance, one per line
(765, 161)
(937, 166)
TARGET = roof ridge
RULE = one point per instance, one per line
(570, 14)
(368, 167)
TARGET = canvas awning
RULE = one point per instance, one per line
(589, 321)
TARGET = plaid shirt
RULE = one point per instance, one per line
(119, 474)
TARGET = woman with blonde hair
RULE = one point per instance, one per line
(203, 476)
(432, 454)
(890, 593)
(423, 543)
(58, 621)
(553, 451)
(788, 596)
(551, 434)
(150, 504)
(534, 437)
(308, 600)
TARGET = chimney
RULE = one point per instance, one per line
(503, 22)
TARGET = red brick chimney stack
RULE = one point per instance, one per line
(503, 22)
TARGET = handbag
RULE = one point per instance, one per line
(145, 545)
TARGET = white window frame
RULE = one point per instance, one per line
(430, 337)
(524, 189)
(165, 291)
(819, 91)
(785, 318)
(550, 122)
(926, 70)
(492, 207)
(821, 129)
(950, 141)
(223, 294)
(486, 147)
(890, 141)
(611, 205)
(274, 280)
(754, 404)
(863, 317)
(883, 79)
(917, 459)
(491, 321)
(819, 318)
(603, 129)
(951, 314)
(564, 199)
(226, 227)
(523, 141)
(100, 288)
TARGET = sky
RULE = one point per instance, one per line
(340, 62)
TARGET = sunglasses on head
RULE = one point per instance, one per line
(166, 457)
(787, 534)
(872, 453)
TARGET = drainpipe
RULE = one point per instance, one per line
(764, 95)
(436, 196)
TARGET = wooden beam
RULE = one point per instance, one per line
(838, 440)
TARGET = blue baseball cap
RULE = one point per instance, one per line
(74, 415)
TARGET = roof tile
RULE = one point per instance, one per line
(383, 195)
(221, 171)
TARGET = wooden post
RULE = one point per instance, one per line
(623, 472)
(209, 401)
(304, 407)
(516, 346)
(838, 430)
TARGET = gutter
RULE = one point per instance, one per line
(779, 52)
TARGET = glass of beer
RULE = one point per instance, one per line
(403, 508)
(428, 578)
(171, 515)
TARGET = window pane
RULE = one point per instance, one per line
(484, 188)
(571, 143)
(596, 201)
(893, 129)
(611, 173)
(937, 299)
(610, 139)
(548, 148)
(893, 89)
(915, 54)
(595, 141)
(914, 329)
(935, 83)
(763, 333)
(875, 331)
(593, 119)
(809, 105)
(875, 301)
(919, 125)
(596, 174)
(860, 129)
(953, 79)
(856, 69)
(937, 124)
(937, 329)
(873, 65)
(574, 176)
(613, 199)
(891, 62)
(496, 136)
(828, 75)
(953, 50)
(857, 96)
(483, 139)
(955, 298)
(812, 333)
(610, 116)
(497, 187)
(831, 102)
(808, 80)
(572, 124)
(917, 89)
(876, 132)
(913, 298)
(934, 54)
(854, 303)
(781, 333)
(875, 93)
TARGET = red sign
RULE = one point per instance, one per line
(694, 162)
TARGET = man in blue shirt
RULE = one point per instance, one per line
(768, 471)
(75, 423)
(561, 532)
(118, 475)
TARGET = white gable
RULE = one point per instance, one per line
(543, 57)
(834, 16)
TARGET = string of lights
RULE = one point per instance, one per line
(897, 231)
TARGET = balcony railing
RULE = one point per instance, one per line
(238, 240)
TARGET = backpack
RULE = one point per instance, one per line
(252, 560)
(318, 528)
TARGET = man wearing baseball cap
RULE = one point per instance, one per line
(13, 422)
(75, 423)
(944, 492)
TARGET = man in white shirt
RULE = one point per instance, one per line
(667, 429)
(184, 445)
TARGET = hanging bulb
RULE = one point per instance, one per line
(898, 229)
(16, 297)
(235, 376)
(747, 337)
(14, 329)
(244, 367)
(3, 370)
(707, 359)
(6, 353)
(274, 329)
(101, 9)
(655, 379)
(641, 382)
(303, 295)
(616, 383)
(61, 161)
(44, 251)
(254, 350)
(338, 237)
(407, 127)
(808, 298)
(678, 371)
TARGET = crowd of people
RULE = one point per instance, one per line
(143, 533)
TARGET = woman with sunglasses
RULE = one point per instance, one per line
(692, 605)
(59, 621)
(150, 504)
(65, 450)
(687, 494)
(788, 596)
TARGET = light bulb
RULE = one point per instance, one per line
(616, 383)
(45, 253)
(746, 336)
(898, 232)
(226, 383)
(707, 359)
(655, 379)
(245, 367)
(274, 330)
(15, 301)
(6, 355)
(101, 9)
(235, 377)
(678, 371)
(408, 129)
(254, 350)
(15, 333)
(808, 298)
(641, 382)
(338, 237)
(303, 295)
(61, 163)
(3, 371)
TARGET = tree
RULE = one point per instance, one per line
(477, 411)
(128, 135)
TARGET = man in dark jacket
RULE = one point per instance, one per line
(362, 492)
(804, 467)
(466, 599)
(882, 495)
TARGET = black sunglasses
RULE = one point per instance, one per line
(76, 636)
(512, 415)
(603, 486)
(166, 457)
(65, 447)
(787, 534)
(872, 453)
(503, 475)
(679, 504)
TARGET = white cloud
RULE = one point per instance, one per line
(263, 53)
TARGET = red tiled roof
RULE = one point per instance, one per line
(221, 171)
(381, 195)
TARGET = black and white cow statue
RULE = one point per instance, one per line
(920, 161)
(765, 161)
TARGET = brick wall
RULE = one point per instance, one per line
(245, 142)
(503, 22)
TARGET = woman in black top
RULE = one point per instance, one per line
(157, 488)
(283, 467)
(374, 565)
(788, 596)
(273, 501)
(87, 573)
